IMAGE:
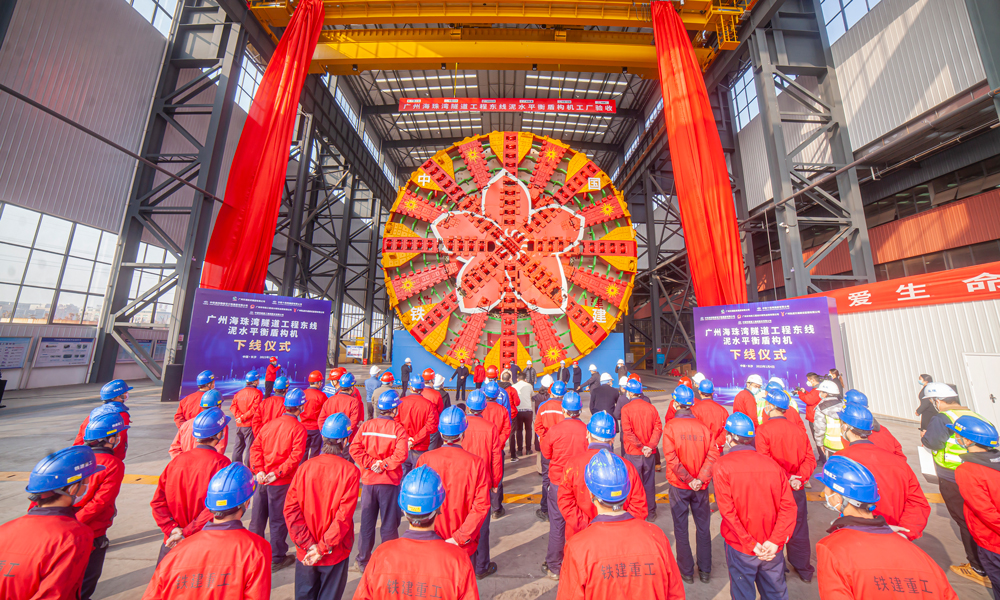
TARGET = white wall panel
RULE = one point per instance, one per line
(887, 350)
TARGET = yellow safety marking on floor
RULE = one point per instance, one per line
(508, 498)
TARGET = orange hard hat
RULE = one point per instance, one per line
(491, 372)
(315, 376)
(428, 374)
(337, 373)
(687, 381)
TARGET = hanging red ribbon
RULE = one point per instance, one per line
(240, 247)
(700, 175)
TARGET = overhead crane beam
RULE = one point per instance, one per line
(448, 141)
(393, 109)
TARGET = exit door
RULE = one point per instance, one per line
(983, 371)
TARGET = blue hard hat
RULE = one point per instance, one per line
(857, 416)
(388, 400)
(706, 387)
(633, 386)
(452, 422)
(113, 389)
(209, 422)
(204, 378)
(476, 400)
(416, 382)
(975, 429)
(683, 395)
(558, 389)
(109, 407)
(571, 402)
(850, 479)
(62, 468)
(210, 398)
(856, 397)
(251, 376)
(103, 426)
(778, 398)
(421, 492)
(295, 397)
(773, 387)
(281, 383)
(602, 425)
(347, 381)
(336, 427)
(491, 389)
(606, 477)
(740, 424)
(230, 487)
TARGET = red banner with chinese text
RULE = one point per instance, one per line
(979, 282)
(506, 105)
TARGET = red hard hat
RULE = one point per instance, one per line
(387, 377)
(274, 359)
(428, 374)
(635, 376)
(687, 381)
(337, 373)
(315, 376)
(575, 363)
(491, 372)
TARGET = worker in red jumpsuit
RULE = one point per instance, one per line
(758, 514)
(179, 500)
(810, 398)
(246, 409)
(380, 449)
(689, 454)
(184, 439)
(319, 512)
(880, 435)
(223, 560)
(903, 504)
(434, 397)
(419, 563)
(310, 415)
(747, 401)
(466, 486)
(271, 375)
(549, 413)
(501, 413)
(482, 438)
(114, 394)
(346, 403)
(563, 441)
(419, 417)
(978, 479)
(274, 457)
(96, 508)
(274, 406)
(575, 500)
(617, 556)
(189, 405)
(861, 559)
(333, 381)
(478, 373)
(45, 552)
(790, 446)
(712, 414)
(642, 432)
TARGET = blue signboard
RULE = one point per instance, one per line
(232, 333)
(785, 338)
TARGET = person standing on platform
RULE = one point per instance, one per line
(641, 435)
(550, 412)
(271, 375)
(563, 374)
(620, 369)
(372, 384)
(564, 440)
(478, 373)
(482, 438)
(577, 377)
(530, 375)
(46, 552)
(461, 373)
(419, 417)
(405, 373)
(880, 434)
(379, 449)
(319, 511)
(274, 406)
(593, 380)
(498, 414)
(861, 558)
(309, 417)
(246, 408)
(826, 421)
(420, 561)
(746, 401)
(617, 556)
(345, 403)
(274, 457)
(689, 454)
(184, 439)
(978, 479)
(758, 514)
(789, 446)
(179, 500)
(223, 554)
(189, 406)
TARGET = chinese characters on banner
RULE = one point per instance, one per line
(578, 106)
(233, 332)
(787, 339)
(968, 284)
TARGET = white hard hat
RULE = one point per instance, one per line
(832, 388)
(407, 360)
(621, 361)
(529, 363)
(606, 377)
(755, 379)
(547, 381)
(698, 378)
(777, 380)
(438, 381)
(373, 371)
(938, 390)
(562, 362)
(622, 381)
(593, 367)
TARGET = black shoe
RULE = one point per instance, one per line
(542, 515)
(688, 578)
(651, 517)
(360, 568)
(287, 561)
(513, 459)
(705, 577)
(491, 569)
(499, 512)
(545, 568)
(806, 578)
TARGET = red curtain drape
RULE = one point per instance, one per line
(700, 174)
(240, 246)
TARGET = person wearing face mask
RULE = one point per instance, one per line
(46, 551)
(943, 442)
(925, 410)
(826, 426)
(746, 401)
(978, 479)
(861, 558)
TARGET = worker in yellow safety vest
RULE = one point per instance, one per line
(826, 424)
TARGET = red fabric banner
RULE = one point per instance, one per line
(700, 173)
(240, 247)
(978, 282)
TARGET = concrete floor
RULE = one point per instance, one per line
(37, 422)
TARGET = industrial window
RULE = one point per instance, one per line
(250, 75)
(744, 93)
(632, 146)
(841, 15)
(652, 116)
(158, 12)
(142, 279)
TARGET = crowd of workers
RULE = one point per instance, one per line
(302, 459)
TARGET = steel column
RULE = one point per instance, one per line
(652, 256)
(302, 179)
(343, 244)
(373, 267)
(985, 18)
